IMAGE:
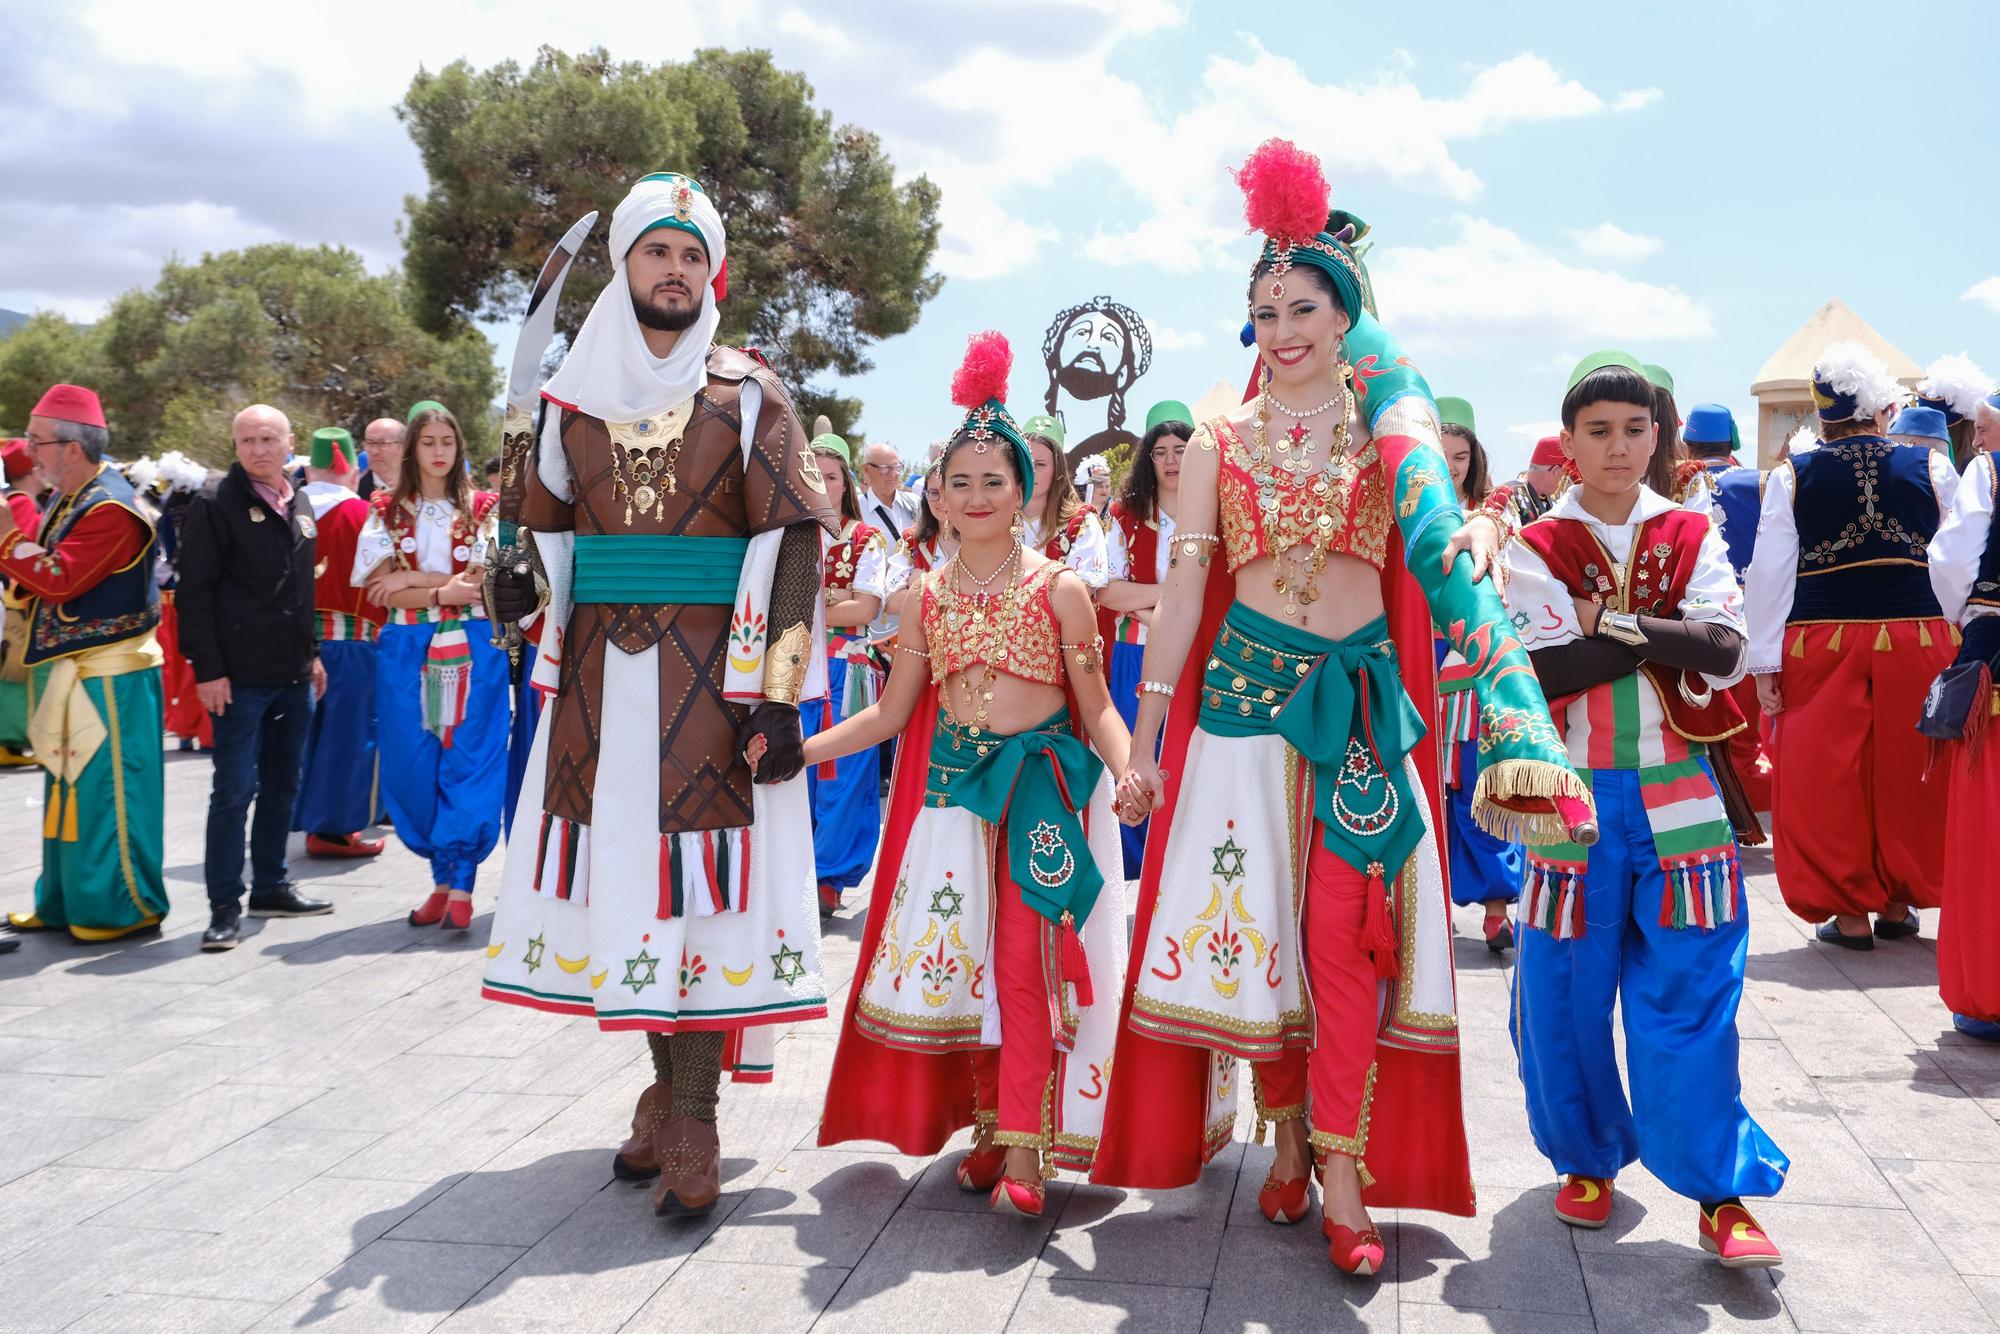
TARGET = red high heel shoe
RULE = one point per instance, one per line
(1018, 1197)
(1353, 1252)
(979, 1171)
(458, 915)
(1284, 1202)
(431, 911)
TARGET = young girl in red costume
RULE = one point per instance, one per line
(986, 989)
(441, 706)
(1292, 912)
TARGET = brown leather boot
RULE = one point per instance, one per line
(690, 1159)
(634, 1160)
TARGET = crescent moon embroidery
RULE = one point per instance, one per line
(572, 965)
(493, 950)
(737, 977)
(597, 979)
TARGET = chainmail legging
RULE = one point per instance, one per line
(689, 1067)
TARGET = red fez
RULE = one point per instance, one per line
(15, 454)
(71, 403)
(1548, 452)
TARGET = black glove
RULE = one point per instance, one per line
(778, 724)
(514, 593)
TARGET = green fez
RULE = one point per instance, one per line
(1657, 376)
(836, 446)
(1456, 412)
(1168, 410)
(333, 449)
(1603, 360)
(424, 405)
(1047, 427)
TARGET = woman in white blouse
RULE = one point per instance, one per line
(441, 688)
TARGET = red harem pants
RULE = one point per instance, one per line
(1747, 754)
(1968, 949)
(1014, 1079)
(1336, 1077)
(1855, 828)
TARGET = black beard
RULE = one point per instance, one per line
(664, 318)
(1083, 384)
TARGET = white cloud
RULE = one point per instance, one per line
(1168, 339)
(1607, 241)
(1489, 284)
(1986, 293)
(1533, 431)
(1637, 100)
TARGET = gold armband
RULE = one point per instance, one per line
(1089, 656)
(785, 667)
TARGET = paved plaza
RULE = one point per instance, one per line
(327, 1129)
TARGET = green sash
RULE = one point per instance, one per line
(1341, 705)
(653, 568)
(1034, 783)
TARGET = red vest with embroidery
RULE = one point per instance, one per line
(1057, 547)
(1142, 566)
(402, 525)
(843, 556)
(1652, 582)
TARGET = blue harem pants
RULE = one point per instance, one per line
(446, 802)
(847, 808)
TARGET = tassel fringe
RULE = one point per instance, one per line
(1701, 892)
(703, 873)
(1379, 935)
(1552, 898)
(1515, 800)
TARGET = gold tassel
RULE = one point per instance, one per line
(52, 813)
(1363, 1175)
(1515, 779)
(1833, 644)
(1799, 645)
(1882, 640)
(1924, 633)
(69, 815)
(1956, 637)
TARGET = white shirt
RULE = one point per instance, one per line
(1543, 608)
(892, 519)
(1960, 542)
(429, 547)
(871, 571)
(323, 496)
(1089, 555)
(1773, 578)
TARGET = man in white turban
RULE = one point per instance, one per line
(676, 507)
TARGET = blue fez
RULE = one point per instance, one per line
(1709, 424)
(1925, 423)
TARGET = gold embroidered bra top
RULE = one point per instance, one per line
(1266, 510)
(1015, 632)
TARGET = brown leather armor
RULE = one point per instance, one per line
(682, 472)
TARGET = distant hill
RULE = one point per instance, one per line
(11, 320)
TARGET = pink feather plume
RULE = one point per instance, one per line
(983, 373)
(1285, 193)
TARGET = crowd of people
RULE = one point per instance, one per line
(1306, 673)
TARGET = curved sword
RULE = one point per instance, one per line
(517, 427)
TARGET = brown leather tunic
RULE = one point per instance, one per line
(682, 472)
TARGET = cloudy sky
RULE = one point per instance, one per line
(1690, 181)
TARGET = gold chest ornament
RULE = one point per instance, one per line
(644, 454)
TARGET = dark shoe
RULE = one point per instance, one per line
(222, 928)
(1830, 933)
(1892, 928)
(690, 1159)
(635, 1160)
(286, 901)
(1983, 1029)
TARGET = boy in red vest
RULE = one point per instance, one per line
(1634, 622)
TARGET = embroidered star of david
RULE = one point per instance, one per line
(788, 965)
(533, 958)
(641, 972)
(1229, 860)
(945, 902)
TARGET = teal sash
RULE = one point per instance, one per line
(1034, 783)
(1341, 705)
(653, 568)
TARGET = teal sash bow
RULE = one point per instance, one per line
(1035, 783)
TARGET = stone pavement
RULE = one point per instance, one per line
(328, 1129)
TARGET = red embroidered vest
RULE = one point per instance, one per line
(1651, 583)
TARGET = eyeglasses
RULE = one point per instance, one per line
(1160, 452)
(882, 467)
(33, 443)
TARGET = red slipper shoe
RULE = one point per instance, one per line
(979, 1173)
(1732, 1236)
(458, 915)
(1284, 1202)
(1018, 1197)
(431, 911)
(343, 845)
(1584, 1201)
(1499, 933)
(1354, 1252)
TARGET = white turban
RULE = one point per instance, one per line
(609, 373)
